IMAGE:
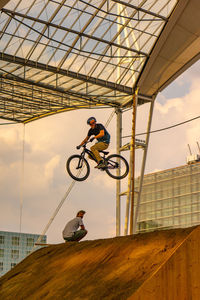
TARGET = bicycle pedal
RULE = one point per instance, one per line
(103, 169)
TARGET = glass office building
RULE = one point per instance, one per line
(170, 198)
(14, 247)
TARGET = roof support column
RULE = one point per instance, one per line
(128, 198)
(143, 165)
(132, 166)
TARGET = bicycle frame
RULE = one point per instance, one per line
(90, 154)
(111, 164)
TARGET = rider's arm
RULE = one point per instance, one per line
(84, 141)
(82, 227)
(101, 133)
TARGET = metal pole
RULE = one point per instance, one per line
(143, 165)
(128, 193)
(118, 136)
(118, 184)
(133, 159)
(198, 147)
(189, 149)
(22, 180)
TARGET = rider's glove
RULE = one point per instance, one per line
(78, 147)
(92, 139)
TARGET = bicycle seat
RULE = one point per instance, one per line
(104, 152)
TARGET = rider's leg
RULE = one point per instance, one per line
(98, 147)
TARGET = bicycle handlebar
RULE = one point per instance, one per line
(84, 145)
(89, 141)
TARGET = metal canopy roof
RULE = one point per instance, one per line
(58, 55)
(176, 50)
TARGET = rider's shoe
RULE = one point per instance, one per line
(97, 166)
(101, 165)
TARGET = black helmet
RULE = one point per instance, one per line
(90, 119)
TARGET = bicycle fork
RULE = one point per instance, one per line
(80, 162)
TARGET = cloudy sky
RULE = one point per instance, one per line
(50, 141)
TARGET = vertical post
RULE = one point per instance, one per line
(198, 147)
(118, 133)
(143, 164)
(189, 149)
(22, 180)
(118, 184)
(128, 193)
(133, 159)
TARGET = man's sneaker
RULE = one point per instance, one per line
(100, 165)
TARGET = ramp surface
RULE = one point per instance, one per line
(131, 267)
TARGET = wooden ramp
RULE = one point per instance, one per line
(157, 265)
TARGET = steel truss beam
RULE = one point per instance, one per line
(84, 97)
(58, 92)
(141, 9)
(24, 103)
(79, 76)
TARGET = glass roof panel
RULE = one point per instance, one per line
(62, 45)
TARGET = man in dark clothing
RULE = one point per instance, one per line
(103, 137)
(71, 232)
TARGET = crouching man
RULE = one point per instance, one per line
(71, 232)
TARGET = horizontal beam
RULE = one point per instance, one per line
(141, 100)
(71, 74)
(56, 91)
(78, 98)
(138, 144)
(141, 9)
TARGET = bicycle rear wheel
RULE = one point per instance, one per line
(117, 166)
(78, 167)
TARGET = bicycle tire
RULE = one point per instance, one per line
(75, 159)
(110, 161)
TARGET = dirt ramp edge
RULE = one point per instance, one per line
(178, 277)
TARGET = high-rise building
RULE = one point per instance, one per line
(170, 198)
(14, 247)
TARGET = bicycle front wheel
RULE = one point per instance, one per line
(78, 167)
(117, 166)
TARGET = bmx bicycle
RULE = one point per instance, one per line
(78, 167)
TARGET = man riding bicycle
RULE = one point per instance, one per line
(103, 137)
